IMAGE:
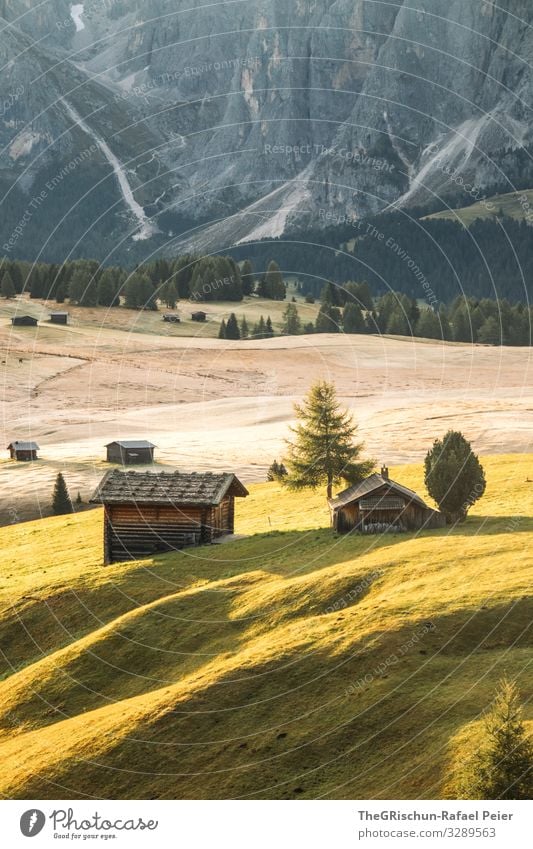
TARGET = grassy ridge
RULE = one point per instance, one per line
(292, 663)
(517, 205)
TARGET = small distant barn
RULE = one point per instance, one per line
(130, 452)
(23, 451)
(146, 513)
(59, 317)
(380, 505)
(172, 318)
(24, 321)
(199, 315)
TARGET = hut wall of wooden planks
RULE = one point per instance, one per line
(130, 452)
(148, 513)
(379, 504)
(23, 451)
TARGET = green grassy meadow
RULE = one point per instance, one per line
(290, 663)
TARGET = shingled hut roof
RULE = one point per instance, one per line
(195, 488)
(369, 485)
(132, 443)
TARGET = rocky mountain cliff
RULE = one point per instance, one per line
(248, 120)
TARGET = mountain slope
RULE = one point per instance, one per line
(244, 120)
(286, 664)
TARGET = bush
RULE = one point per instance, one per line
(454, 476)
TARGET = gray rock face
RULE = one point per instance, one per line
(253, 119)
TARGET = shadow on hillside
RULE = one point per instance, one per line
(382, 710)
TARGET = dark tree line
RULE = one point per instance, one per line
(351, 309)
(489, 259)
(86, 283)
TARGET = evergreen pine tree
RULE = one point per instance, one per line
(245, 332)
(222, 330)
(7, 287)
(272, 286)
(360, 294)
(398, 323)
(454, 476)
(502, 765)
(352, 319)
(61, 502)
(35, 283)
(15, 269)
(83, 287)
(182, 271)
(332, 294)
(292, 325)
(269, 330)
(259, 329)
(107, 288)
(324, 451)
(247, 277)
(147, 294)
(461, 327)
(329, 319)
(168, 294)
(232, 328)
(132, 292)
(446, 330)
(428, 325)
(276, 472)
(490, 332)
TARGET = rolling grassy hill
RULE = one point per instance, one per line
(290, 663)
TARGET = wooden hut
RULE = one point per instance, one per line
(24, 321)
(146, 513)
(172, 318)
(199, 315)
(130, 452)
(23, 451)
(59, 317)
(379, 505)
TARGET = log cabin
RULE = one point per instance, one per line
(380, 505)
(130, 452)
(147, 513)
(199, 315)
(23, 451)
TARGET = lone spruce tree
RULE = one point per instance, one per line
(324, 451)
(61, 502)
(502, 767)
(454, 476)
(232, 328)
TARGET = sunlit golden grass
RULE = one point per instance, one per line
(291, 662)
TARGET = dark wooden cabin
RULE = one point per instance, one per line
(130, 452)
(146, 513)
(379, 505)
(199, 315)
(24, 321)
(59, 317)
(23, 451)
